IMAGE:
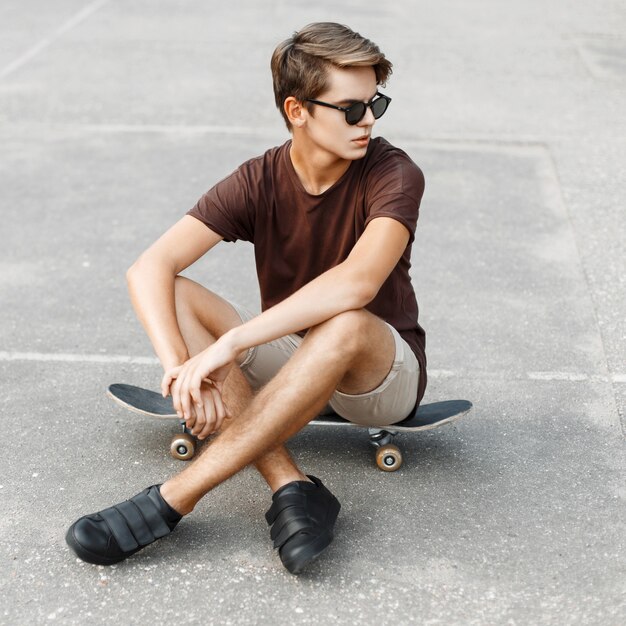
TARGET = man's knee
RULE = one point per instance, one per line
(183, 295)
(349, 330)
(197, 304)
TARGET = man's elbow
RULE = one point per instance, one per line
(149, 266)
(133, 271)
(364, 293)
(137, 271)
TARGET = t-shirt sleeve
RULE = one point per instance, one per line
(228, 208)
(396, 191)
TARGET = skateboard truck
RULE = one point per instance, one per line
(388, 455)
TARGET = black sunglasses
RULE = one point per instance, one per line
(356, 112)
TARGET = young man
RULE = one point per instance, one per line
(332, 214)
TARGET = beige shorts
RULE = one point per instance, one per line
(391, 402)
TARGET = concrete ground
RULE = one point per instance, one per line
(116, 116)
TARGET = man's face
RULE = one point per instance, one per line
(328, 127)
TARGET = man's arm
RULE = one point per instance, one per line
(350, 285)
(347, 286)
(151, 285)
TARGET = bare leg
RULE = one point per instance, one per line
(353, 351)
(203, 316)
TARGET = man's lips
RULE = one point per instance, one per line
(362, 139)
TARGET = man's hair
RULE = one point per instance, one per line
(300, 64)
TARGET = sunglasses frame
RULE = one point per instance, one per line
(346, 110)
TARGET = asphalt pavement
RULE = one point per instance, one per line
(116, 116)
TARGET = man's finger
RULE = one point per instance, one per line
(168, 378)
(209, 412)
(200, 413)
(176, 396)
(185, 400)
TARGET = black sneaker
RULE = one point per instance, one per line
(302, 517)
(113, 534)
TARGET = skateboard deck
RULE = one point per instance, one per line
(388, 456)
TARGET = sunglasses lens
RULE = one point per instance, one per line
(379, 106)
(355, 113)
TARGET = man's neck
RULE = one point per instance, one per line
(318, 170)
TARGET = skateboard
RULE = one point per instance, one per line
(388, 455)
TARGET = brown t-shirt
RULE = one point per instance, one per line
(297, 236)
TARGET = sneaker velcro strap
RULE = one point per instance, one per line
(294, 498)
(151, 514)
(289, 522)
(271, 514)
(119, 528)
(136, 522)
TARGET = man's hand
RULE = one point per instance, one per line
(196, 388)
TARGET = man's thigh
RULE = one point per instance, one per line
(381, 388)
(261, 363)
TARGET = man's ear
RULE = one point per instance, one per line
(296, 112)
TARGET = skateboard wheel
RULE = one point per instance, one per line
(183, 447)
(389, 458)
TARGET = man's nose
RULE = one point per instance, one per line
(368, 119)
